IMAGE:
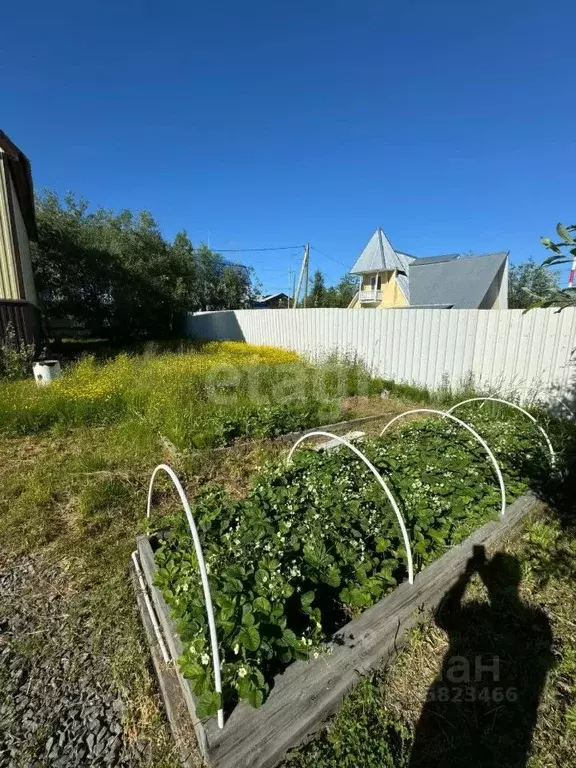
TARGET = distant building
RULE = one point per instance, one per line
(392, 279)
(274, 301)
(18, 300)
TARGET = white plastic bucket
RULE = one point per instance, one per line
(46, 371)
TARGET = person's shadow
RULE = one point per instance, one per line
(482, 709)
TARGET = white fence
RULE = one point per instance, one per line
(505, 351)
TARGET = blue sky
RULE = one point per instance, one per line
(452, 125)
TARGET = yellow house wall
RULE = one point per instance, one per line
(366, 284)
(392, 295)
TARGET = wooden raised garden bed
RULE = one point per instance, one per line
(310, 691)
(290, 437)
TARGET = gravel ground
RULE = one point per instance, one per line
(56, 706)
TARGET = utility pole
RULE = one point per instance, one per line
(303, 272)
(291, 284)
(307, 257)
(572, 274)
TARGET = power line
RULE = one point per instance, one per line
(330, 257)
(280, 248)
(253, 250)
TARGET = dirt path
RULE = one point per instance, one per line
(57, 705)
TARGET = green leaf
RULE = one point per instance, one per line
(255, 697)
(208, 704)
(199, 678)
(262, 605)
(249, 637)
(244, 687)
(258, 678)
(345, 595)
(306, 600)
(233, 572)
(556, 260)
(332, 577)
(227, 608)
(564, 234)
(288, 639)
(233, 585)
(262, 577)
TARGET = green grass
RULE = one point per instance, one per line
(363, 733)
(205, 396)
(451, 393)
(381, 719)
(73, 495)
(74, 478)
(76, 503)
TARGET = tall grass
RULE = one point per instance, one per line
(199, 398)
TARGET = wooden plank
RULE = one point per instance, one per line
(293, 436)
(170, 688)
(148, 565)
(309, 692)
(332, 444)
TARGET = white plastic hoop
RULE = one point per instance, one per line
(518, 408)
(203, 574)
(380, 480)
(473, 432)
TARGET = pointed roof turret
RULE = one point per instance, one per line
(379, 256)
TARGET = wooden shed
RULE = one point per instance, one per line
(18, 299)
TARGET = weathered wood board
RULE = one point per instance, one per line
(170, 687)
(307, 693)
(293, 436)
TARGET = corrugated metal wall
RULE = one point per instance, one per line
(25, 319)
(504, 350)
(9, 288)
(23, 250)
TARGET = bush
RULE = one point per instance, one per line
(15, 357)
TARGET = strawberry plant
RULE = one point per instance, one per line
(316, 543)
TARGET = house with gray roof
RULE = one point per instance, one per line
(392, 279)
(273, 301)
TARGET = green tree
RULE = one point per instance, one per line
(186, 286)
(235, 290)
(339, 295)
(527, 280)
(317, 295)
(346, 290)
(115, 274)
